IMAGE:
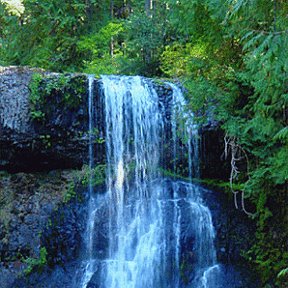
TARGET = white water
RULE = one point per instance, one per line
(184, 118)
(89, 268)
(149, 217)
(133, 123)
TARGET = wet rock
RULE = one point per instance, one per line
(25, 210)
(63, 236)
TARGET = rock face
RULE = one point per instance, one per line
(213, 163)
(14, 100)
(27, 202)
(44, 124)
(58, 140)
(29, 144)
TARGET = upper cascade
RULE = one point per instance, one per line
(134, 127)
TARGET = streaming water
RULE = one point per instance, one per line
(89, 269)
(158, 228)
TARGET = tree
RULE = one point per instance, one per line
(234, 59)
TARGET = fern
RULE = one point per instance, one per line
(282, 135)
(283, 273)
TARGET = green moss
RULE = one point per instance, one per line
(97, 138)
(70, 192)
(211, 183)
(158, 81)
(161, 81)
(46, 140)
(35, 96)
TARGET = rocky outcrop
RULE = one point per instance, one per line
(14, 100)
(53, 136)
(213, 164)
(27, 205)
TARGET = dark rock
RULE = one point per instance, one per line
(63, 277)
(63, 236)
(213, 165)
(54, 142)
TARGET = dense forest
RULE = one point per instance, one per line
(230, 55)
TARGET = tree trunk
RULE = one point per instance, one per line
(149, 7)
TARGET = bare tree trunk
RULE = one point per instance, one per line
(148, 7)
(275, 15)
(147, 53)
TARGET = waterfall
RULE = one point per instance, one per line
(189, 131)
(89, 268)
(160, 230)
(133, 129)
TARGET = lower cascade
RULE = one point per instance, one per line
(146, 230)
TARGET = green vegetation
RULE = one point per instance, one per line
(36, 263)
(97, 138)
(70, 192)
(96, 175)
(46, 140)
(231, 56)
(210, 183)
(69, 90)
(35, 96)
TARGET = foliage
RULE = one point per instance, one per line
(35, 97)
(52, 29)
(283, 276)
(96, 36)
(234, 64)
(70, 192)
(96, 175)
(36, 263)
(66, 90)
(14, 7)
(210, 183)
(146, 38)
(97, 44)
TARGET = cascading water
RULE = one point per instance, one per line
(160, 231)
(89, 269)
(189, 131)
(133, 126)
(203, 227)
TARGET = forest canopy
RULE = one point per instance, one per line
(231, 56)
